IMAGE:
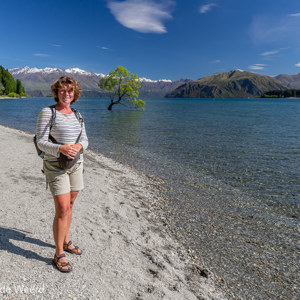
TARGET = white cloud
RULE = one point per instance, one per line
(294, 15)
(206, 8)
(297, 65)
(267, 53)
(257, 67)
(104, 48)
(217, 61)
(41, 54)
(55, 45)
(142, 15)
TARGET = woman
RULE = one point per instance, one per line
(64, 184)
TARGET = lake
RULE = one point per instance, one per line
(230, 173)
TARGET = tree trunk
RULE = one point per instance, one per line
(113, 103)
(110, 106)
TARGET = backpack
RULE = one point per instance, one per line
(41, 153)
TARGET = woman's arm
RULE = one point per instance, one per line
(42, 133)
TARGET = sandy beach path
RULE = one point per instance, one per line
(127, 252)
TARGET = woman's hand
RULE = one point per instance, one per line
(70, 150)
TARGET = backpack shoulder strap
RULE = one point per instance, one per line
(53, 110)
(78, 116)
(80, 120)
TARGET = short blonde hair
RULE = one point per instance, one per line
(58, 84)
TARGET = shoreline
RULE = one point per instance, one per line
(3, 98)
(129, 252)
(12, 98)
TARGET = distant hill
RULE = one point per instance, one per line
(292, 81)
(38, 81)
(233, 84)
(160, 88)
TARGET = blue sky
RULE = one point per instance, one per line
(169, 39)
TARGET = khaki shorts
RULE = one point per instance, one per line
(63, 181)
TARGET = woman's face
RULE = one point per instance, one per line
(65, 95)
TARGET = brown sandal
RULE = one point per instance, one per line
(62, 266)
(76, 250)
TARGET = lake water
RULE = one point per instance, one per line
(230, 172)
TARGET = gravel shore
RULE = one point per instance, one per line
(128, 253)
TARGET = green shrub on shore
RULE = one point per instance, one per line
(268, 96)
(13, 95)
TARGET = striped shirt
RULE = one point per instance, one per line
(65, 130)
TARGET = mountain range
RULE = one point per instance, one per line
(292, 81)
(233, 84)
(37, 82)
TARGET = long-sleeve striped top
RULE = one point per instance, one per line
(65, 130)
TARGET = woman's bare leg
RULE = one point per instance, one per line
(60, 222)
(72, 200)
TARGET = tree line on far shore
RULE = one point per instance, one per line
(291, 93)
(8, 86)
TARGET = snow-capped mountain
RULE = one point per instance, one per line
(70, 71)
(33, 70)
(37, 82)
(144, 79)
(27, 70)
(82, 72)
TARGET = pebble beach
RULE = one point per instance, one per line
(128, 250)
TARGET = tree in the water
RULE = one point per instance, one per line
(123, 88)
